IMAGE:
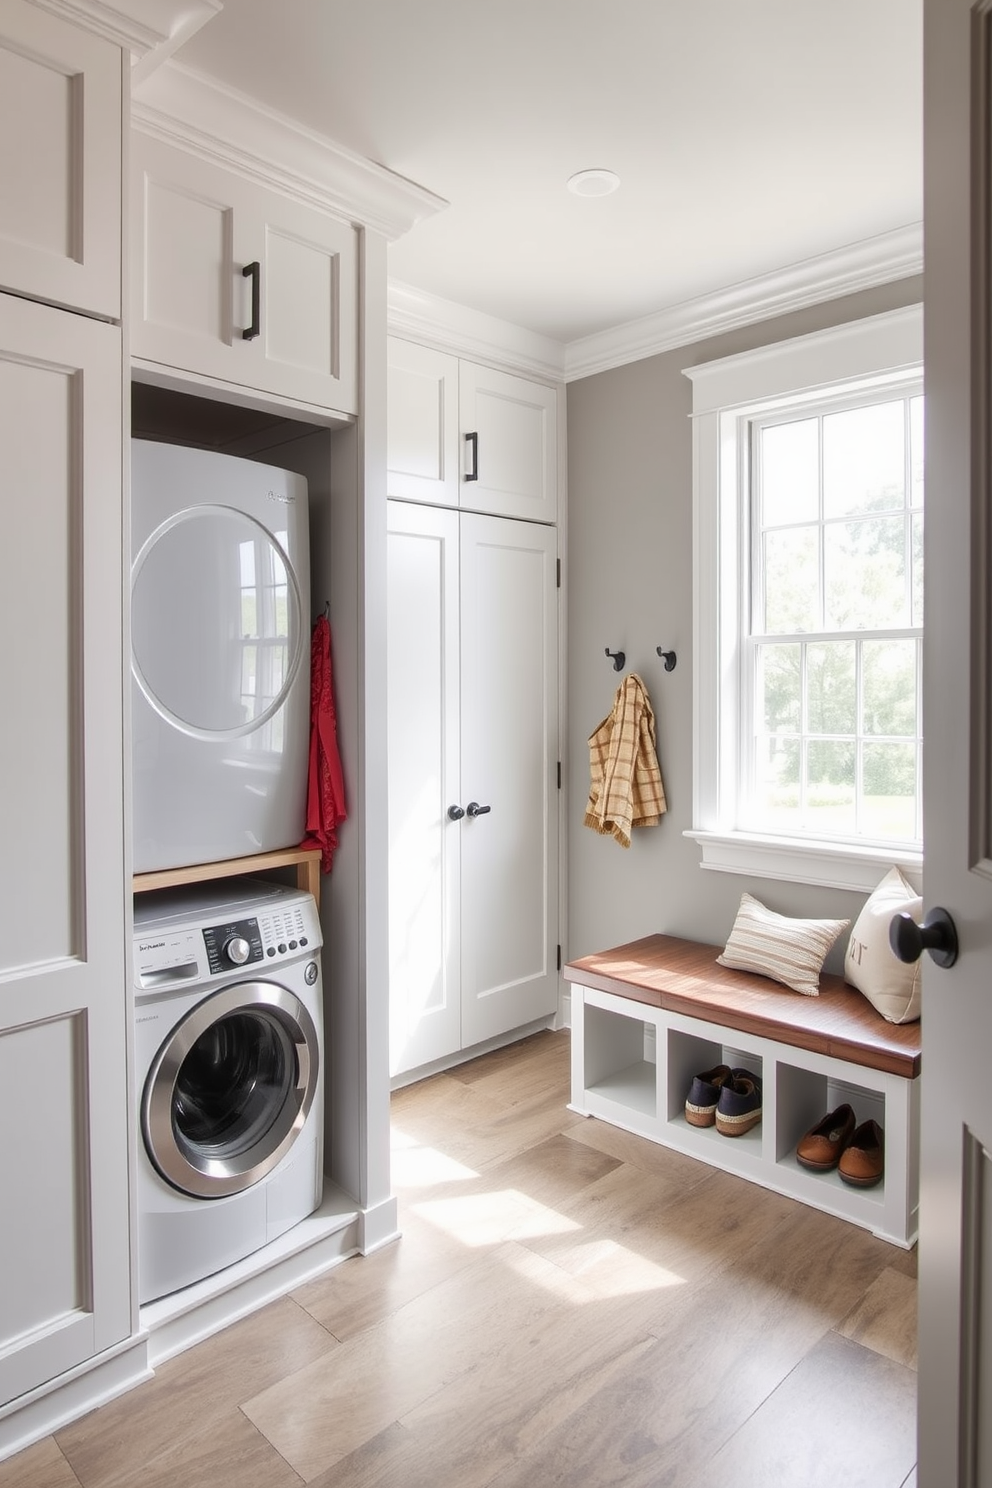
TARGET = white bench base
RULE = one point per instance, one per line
(632, 1065)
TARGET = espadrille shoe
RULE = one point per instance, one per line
(739, 1105)
(704, 1092)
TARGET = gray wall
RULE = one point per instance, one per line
(629, 572)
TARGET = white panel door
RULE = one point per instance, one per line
(64, 1285)
(239, 283)
(955, 1397)
(60, 161)
(423, 750)
(423, 449)
(509, 757)
(509, 444)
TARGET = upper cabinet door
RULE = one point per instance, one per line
(239, 283)
(509, 445)
(463, 435)
(60, 162)
(422, 417)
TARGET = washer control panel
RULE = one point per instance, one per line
(286, 931)
(233, 943)
(174, 949)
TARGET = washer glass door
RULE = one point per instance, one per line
(230, 1089)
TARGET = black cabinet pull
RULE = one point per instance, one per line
(474, 809)
(473, 440)
(253, 271)
(455, 813)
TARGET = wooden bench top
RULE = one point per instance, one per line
(682, 976)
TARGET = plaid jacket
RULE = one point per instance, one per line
(626, 789)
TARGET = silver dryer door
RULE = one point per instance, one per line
(230, 1089)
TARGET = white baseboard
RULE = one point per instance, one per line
(314, 1245)
(31, 1417)
(462, 1056)
(378, 1226)
(327, 1237)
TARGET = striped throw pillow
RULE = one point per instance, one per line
(788, 951)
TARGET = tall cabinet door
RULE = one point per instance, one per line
(64, 1215)
(60, 161)
(423, 772)
(509, 754)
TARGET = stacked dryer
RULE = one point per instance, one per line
(220, 604)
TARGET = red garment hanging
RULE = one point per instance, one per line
(325, 787)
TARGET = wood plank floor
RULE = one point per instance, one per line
(569, 1305)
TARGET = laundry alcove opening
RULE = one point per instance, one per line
(325, 454)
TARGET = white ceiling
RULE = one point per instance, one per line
(749, 135)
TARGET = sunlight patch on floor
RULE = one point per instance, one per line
(607, 1269)
(489, 1218)
(416, 1166)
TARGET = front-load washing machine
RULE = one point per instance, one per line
(220, 656)
(229, 1075)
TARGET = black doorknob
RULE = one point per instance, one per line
(937, 935)
(474, 809)
(456, 812)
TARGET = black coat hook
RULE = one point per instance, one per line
(618, 658)
(670, 658)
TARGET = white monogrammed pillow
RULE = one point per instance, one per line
(891, 986)
(790, 951)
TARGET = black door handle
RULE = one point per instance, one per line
(253, 271)
(474, 809)
(473, 440)
(456, 813)
(937, 935)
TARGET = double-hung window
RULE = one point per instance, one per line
(808, 491)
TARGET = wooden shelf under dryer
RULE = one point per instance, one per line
(306, 861)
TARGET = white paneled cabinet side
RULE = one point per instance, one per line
(65, 1292)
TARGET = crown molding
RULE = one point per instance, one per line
(417, 315)
(875, 261)
(228, 128)
(150, 30)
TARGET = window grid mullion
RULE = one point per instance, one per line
(859, 733)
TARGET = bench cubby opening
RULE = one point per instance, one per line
(616, 1069)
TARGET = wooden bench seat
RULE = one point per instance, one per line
(683, 976)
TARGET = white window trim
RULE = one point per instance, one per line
(887, 348)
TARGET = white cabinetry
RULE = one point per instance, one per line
(468, 436)
(60, 162)
(239, 283)
(65, 1293)
(65, 1279)
(472, 723)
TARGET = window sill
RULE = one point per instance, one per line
(827, 864)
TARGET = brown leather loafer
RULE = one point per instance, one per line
(862, 1162)
(821, 1148)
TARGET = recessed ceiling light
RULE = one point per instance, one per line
(593, 182)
